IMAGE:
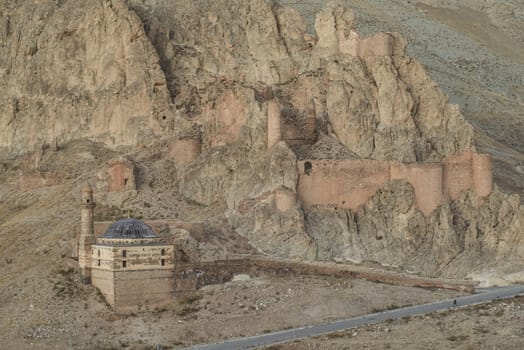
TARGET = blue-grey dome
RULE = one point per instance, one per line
(129, 228)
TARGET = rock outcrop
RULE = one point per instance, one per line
(71, 70)
(252, 94)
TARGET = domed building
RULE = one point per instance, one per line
(128, 263)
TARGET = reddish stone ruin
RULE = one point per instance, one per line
(348, 184)
(289, 126)
(185, 150)
(380, 44)
(121, 176)
(224, 119)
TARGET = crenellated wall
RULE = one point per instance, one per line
(348, 184)
(333, 184)
(467, 170)
(426, 180)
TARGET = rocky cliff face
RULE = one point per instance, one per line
(71, 70)
(110, 73)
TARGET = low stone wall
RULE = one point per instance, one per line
(191, 276)
(121, 176)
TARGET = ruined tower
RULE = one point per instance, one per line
(87, 236)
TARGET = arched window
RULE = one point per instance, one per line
(163, 252)
(308, 167)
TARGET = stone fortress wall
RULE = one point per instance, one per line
(348, 184)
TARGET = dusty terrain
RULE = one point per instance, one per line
(62, 313)
(497, 325)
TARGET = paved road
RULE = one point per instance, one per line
(308, 331)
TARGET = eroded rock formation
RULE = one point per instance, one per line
(254, 95)
(73, 70)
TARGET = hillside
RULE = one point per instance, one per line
(302, 132)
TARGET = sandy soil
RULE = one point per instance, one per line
(62, 313)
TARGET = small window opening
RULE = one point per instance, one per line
(87, 200)
(163, 262)
(164, 117)
(163, 252)
(125, 181)
(124, 253)
(98, 263)
(124, 264)
(308, 168)
(98, 252)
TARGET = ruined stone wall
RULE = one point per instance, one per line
(289, 125)
(377, 45)
(191, 276)
(458, 174)
(299, 130)
(121, 176)
(337, 184)
(426, 180)
(333, 184)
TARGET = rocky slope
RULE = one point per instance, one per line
(152, 73)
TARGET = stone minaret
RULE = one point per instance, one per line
(87, 235)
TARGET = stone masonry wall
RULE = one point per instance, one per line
(143, 290)
(121, 176)
(348, 184)
(104, 281)
(426, 180)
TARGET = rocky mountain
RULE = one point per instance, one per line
(212, 104)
